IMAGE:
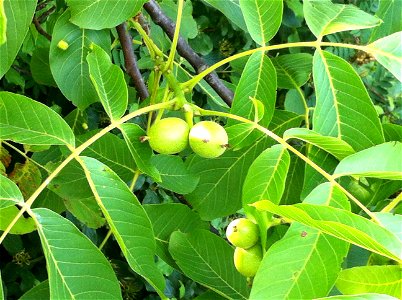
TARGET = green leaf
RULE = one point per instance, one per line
(127, 219)
(293, 70)
(219, 192)
(40, 67)
(391, 222)
(263, 18)
(109, 83)
(242, 135)
(344, 108)
(27, 176)
(76, 267)
(23, 225)
(69, 66)
(40, 291)
(392, 132)
(257, 81)
(231, 9)
(341, 224)
(26, 121)
(371, 279)
(112, 151)
(174, 174)
(167, 218)
(19, 16)
(390, 12)
(294, 179)
(266, 177)
(324, 17)
(312, 268)
(190, 29)
(360, 297)
(101, 14)
(3, 39)
(10, 194)
(208, 259)
(1, 285)
(140, 151)
(79, 201)
(335, 146)
(388, 52)
(295, 101)
(311, 177)
(381, 161)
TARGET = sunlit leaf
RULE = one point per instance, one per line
(23, 225)
(109, 83)
(68, 62)
(371, 279)
(390, 12)
(313, 253)
(10, 194)
(335, 146)
(76, 267)
(324, 17)
(127, 219)
(341, 224)
(368, 296)
(381, 161)
(26, 121)
(19, 16)
(266, 177)
(102, 13)
(257, 81)
(388, 52)
(344, 108)
(3, 27)
(263, 18)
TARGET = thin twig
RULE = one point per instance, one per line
(40, 29)
(43, 16)
(184, 49)
(131, 61)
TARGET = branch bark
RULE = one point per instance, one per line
(131, 61)
(184, 49)
(40, 29)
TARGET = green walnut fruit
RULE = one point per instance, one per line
(242, 233)
(169, 135)
(208, 139)
(247, 261)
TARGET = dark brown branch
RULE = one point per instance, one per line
(187, 52)
(40, 29)
(43, 16)
(131, 61)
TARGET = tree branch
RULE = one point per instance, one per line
(187, 52)
(40, 29)
(131, 61)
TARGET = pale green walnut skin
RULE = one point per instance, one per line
(242, 233)
(169, 135)
(247, 261)
(208, 139)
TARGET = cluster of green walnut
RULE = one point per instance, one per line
(172, 135)
(244, 235)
